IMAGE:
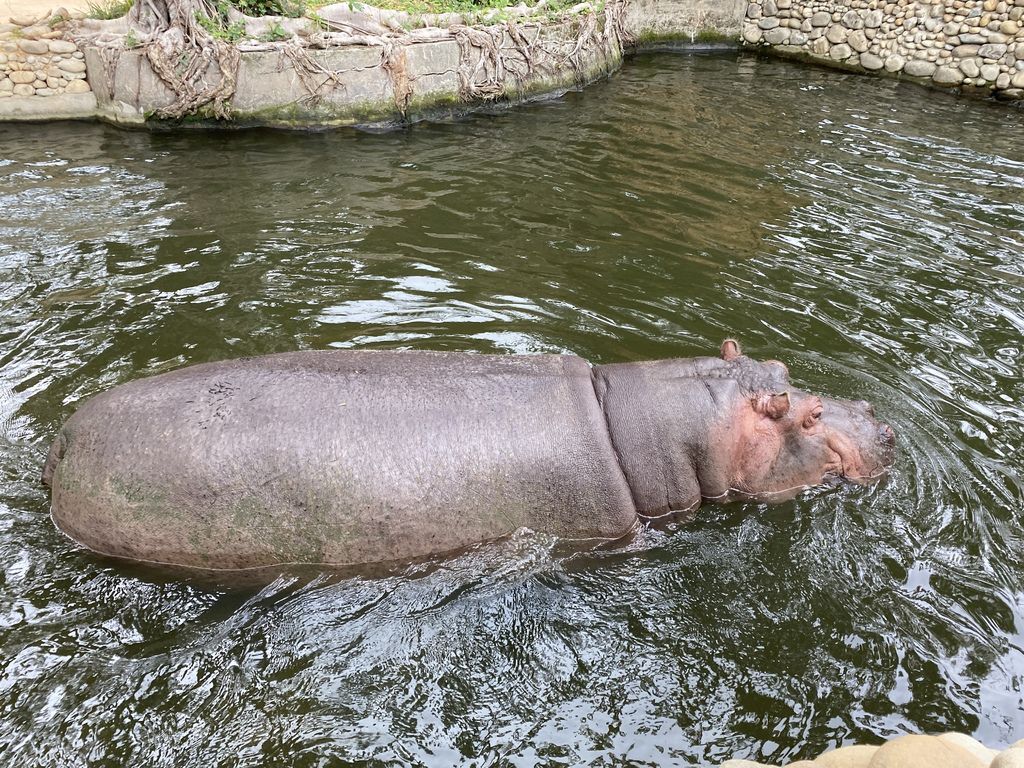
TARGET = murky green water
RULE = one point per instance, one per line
(869, 235)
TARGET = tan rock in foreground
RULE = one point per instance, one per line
(856, 756)
(923, 752)
(975, 747)
(1010, 758)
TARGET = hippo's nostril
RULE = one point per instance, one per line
(886, 435)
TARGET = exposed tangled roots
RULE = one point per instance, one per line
(184, 69)
(489, 56)
(199, 69)
(494, 59)
(481, 62)
(615, 24)
(393, 62)
(315, 78)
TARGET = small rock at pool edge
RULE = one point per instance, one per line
(894, 63)
(947, 76)
(971, 745)
(853, 756)
(1009, 758)
(870, 61)
(918, 751)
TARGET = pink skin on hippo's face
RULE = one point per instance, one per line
(781, 440)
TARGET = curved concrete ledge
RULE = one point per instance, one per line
(366, 84)
(325, 78)
(399, 77)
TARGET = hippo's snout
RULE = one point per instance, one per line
(886, 436)
(887, 441)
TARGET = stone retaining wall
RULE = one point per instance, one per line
(37, 63)
(282, 86)
(974, 45)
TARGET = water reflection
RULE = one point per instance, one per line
(865, 233)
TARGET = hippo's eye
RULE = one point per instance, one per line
(813, 417)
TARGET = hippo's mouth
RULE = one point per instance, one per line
(859, 473)
(852, 466)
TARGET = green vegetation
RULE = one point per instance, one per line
(275, 33)
(711, 35)
(219, 26)
(290, 8)
(108, 9)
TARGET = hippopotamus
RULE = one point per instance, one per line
(343, 457)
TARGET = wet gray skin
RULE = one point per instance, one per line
(345, 458)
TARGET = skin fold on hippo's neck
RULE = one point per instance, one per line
(662, 419)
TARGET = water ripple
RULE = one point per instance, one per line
(866, 233)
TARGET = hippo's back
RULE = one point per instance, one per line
(337, 457)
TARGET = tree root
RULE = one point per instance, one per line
(490, 55)
(182, 53)
(393, 62)
(201, 70)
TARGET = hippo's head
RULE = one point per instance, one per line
(780, 440)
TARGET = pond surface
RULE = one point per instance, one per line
(868, 234)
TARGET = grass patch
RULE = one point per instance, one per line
(711, 35)
(107, 9)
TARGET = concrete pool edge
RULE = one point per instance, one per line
(402, 80)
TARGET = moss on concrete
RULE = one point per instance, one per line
(708, 36)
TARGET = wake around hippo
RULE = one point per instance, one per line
(357, 457)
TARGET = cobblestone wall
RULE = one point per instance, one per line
(36, 60)
(972, 44)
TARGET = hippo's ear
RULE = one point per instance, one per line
(730, 349)
(774, 405)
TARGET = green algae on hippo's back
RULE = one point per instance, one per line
(347, 458)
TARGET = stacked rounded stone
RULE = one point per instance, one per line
(950, 750)
(957, 43)
(35, 60)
